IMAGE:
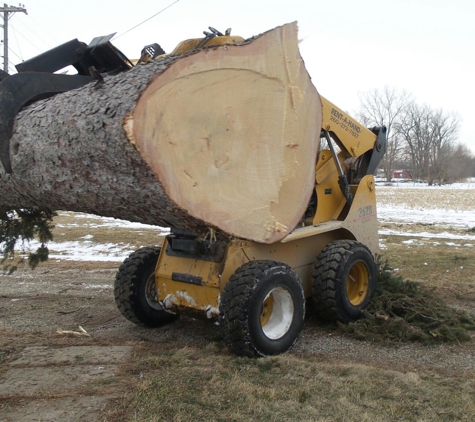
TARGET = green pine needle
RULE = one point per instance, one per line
(19, 226)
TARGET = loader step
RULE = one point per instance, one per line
(302, 232)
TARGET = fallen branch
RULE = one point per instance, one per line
(80, 333)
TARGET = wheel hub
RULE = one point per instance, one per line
(151, 293)
(277, 313)
(357, 283)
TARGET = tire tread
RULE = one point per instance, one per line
(325, 282)
(234, 306)
(126, 287)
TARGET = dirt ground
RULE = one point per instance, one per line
(50, 369)
(48, 374)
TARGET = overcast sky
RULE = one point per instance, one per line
(426, 47)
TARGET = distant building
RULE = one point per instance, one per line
(402, 175)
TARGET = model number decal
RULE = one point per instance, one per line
(365, 211)
(346, 124)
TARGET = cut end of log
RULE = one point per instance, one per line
(232, 133)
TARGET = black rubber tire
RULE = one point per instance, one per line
(330, 278)
(241, 310)
(130, 289)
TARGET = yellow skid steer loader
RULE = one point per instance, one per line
(257, 291)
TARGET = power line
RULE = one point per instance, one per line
(15, 54)
(54, 39)
(11, 67)
(146, 20)
(17, 43)
(28, 26)
(30, 42)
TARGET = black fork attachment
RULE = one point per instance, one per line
(36, 79)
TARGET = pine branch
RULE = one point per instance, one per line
(19, 226)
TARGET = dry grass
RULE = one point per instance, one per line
(209, 384)
(431, 228)
(70, 228)
(448, 269)
(427, 197)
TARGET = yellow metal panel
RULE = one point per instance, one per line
(207, 270)
(235, 257)
(355, 139)
(362, 219)
(302, 232)
(330, 199)
(180, 296)
(299, 254)
(324, 156)
(184, 297)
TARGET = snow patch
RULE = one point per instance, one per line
(169, 301)
(97, 286)
(96, 222)
(427, 235)
(183, 294)
(394, 213)
(84, 250)
(211, 311)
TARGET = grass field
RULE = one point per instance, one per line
(212, 385)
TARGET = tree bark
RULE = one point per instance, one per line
(222, 138)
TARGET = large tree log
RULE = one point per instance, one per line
(225, 137)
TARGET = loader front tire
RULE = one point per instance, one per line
(134, 289)
(262, 309)
(343, 281)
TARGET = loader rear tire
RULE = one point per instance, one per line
(134, 289)
(343, 281)
(262, 309)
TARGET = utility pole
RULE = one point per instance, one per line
(6, 10)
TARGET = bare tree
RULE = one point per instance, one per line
(444, 134)
(385, 107)
(462, 164)
(414, 129)
(430, 136)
